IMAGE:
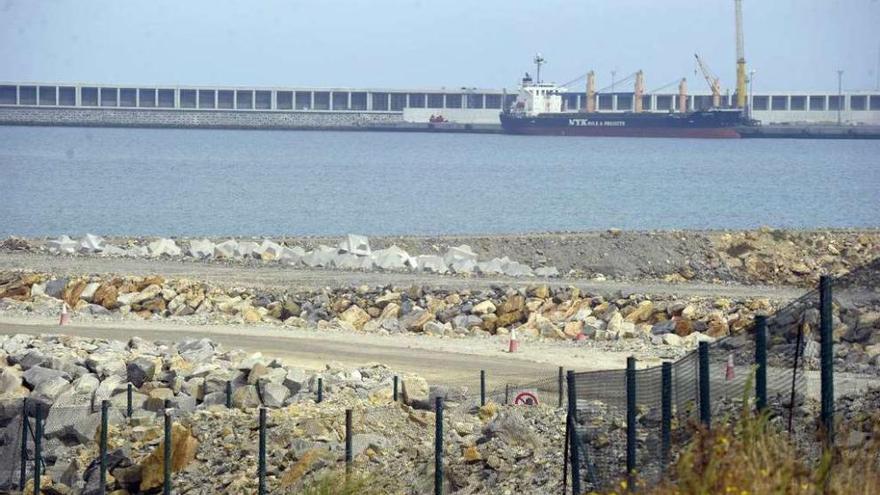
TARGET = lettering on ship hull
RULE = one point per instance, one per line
(596, 123)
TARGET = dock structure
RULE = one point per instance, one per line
(45, 103)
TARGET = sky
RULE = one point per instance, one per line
(790, 44)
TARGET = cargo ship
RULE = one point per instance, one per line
(538, 109)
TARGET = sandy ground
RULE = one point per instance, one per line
(275, 276)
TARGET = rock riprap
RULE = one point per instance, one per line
(539, 311)
(514, 449)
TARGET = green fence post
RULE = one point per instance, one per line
(482, 388)
(826, 357)
(228, 394)
(560, 392)
(665, 414)
(761, 363)
(129, 410)
(348, 436)
(102, 480)
(261, 460)
(438, 446)
(574, 450)
(395, 388)
(630, 419)
(320, 389)
(705, 400)
(38, 448)
(25, 430)
(166, 460)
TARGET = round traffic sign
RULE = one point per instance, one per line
(525, 399)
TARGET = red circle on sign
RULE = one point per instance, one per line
(525, 399)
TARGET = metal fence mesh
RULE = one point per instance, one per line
(602, 401)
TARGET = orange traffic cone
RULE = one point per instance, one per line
(514, 344)
(728, 372)
(65, 316)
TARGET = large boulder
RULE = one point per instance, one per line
(141, 369)
(196, 351)
(415, 392)
(37, 375)
(163, 247)
(202, 250)
(55, 287)
(183, 450)
(274, 395)
(355, 244)
(356, 316)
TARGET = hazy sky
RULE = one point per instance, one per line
(791, 44)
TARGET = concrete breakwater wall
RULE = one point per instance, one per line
(212, 119)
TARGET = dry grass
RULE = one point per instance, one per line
(337, 483)
(750, 457)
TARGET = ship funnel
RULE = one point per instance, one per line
(591, 92)
(638, 92)
(683, 95)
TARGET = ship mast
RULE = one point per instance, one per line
(539, 61)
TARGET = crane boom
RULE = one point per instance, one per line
(712, 80)
(740, 58)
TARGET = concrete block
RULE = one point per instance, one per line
(322, 256)
(355, 244)
(431, 263)
(458, 253)
(347, 261)
(226, 249)
(91, 244)
(245, 249)
(491, 267)
(137, 252)
(202, 250)
(111, 250)
(517, 269)
(62, 245)
(463, 266)
(291, 256)
(269, 250)
(547, 271)
(393, 258)
(163, 247)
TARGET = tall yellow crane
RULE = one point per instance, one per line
(712, 80)
(740, 58)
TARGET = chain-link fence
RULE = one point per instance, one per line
(822, 345)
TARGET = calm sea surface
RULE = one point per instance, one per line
(214, 182)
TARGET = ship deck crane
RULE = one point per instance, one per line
(712, 80)
(740, 58)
